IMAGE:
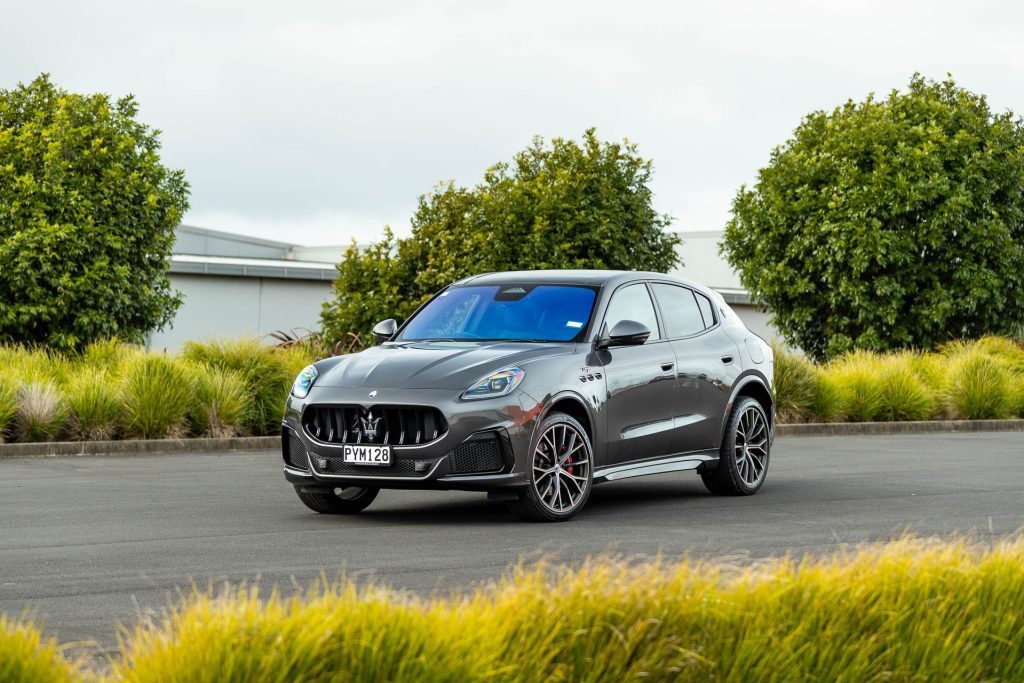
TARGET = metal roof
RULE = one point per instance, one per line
(252, 267)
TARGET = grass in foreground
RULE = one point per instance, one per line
(26, 656)
(906, 611)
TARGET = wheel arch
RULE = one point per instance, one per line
(575, 406)
(754, 385)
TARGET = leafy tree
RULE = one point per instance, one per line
(888, 223)
(87, 218)
(563, 205)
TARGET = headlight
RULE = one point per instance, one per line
(304, 382)
(496, 384)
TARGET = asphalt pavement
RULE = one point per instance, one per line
(88, 542)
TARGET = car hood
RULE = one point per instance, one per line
(437, 365)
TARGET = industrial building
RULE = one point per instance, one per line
(238, 285)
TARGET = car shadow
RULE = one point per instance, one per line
(476, 509)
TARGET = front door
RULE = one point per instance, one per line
(640, 382)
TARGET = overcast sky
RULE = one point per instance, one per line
(316, 122)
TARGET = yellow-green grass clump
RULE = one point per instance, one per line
(27, 657)
(796, 382)
(35, 364)
(264, 371)
(828, 403)
(911, 610)
(903, 394)
(858, 378)
(980, 386)
(42, 412)
(8, 403)
(108, 354)
(156, 391)
(221, 405)
(95, 401)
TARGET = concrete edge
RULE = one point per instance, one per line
(923, 427)
(241, 444)
(130, 447)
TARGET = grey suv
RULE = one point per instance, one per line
(534, 386)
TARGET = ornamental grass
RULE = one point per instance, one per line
(910, 610)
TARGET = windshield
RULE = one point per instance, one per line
(551, 313)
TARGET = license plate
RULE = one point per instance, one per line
(366, 455)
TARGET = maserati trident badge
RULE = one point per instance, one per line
(369, 425)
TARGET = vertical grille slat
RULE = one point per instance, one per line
(397, 426)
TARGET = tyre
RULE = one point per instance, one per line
(561, 471)
(340, 501)
(743, 457)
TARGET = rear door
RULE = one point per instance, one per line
(640, 382)
(707, 365)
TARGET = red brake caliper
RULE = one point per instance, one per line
(568, 461)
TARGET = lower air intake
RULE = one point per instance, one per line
(293, 451)
(479, 456)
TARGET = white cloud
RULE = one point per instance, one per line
(327, 119)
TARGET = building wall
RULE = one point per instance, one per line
(757, 321)
(702, 263)
(219, 306)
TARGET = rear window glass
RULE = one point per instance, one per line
(679, 309)
(706, 309)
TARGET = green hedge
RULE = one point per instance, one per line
(910, 610)
(976, 380)
(116, 390)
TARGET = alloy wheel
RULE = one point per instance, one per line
(561, 467)
(751, 446)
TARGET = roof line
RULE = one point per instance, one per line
(248, 239)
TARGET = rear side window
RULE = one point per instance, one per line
(679, 309)
(632, 303)
(706, 309)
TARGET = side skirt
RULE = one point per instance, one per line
(675, 463)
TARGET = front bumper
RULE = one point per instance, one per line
(508, 420)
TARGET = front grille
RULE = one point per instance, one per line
(293, 451)
(477, 456)
(395, 425)
(400, 468)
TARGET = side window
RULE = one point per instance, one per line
(706, 309)
(679, 308)
(633, 302)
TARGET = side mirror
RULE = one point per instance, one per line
(625, 333)
(384, 330)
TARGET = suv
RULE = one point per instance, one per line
(534, 386)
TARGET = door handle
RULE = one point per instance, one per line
(667, 366)
(726, 359)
